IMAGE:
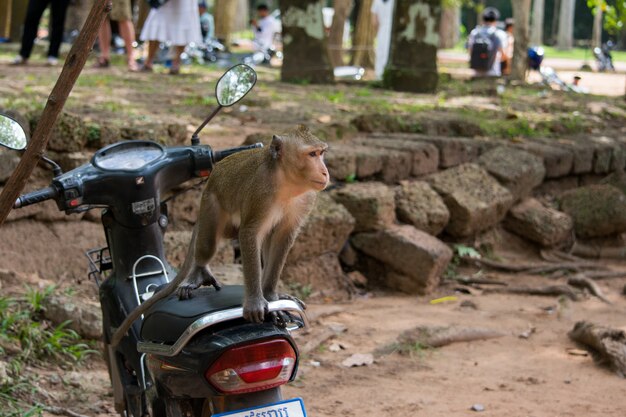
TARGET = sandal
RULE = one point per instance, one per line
(174, 70)
(146, 68)
(133, 67)
(102, 63)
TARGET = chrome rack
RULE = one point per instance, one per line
(212, 319)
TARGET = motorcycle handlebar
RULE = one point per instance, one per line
(35, 197)
(219, 155)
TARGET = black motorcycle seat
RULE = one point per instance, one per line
(166, 321)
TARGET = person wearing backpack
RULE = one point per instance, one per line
(487, 45)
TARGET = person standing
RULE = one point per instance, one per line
(487, 46)
(382, 15)
(507, 63)
(265, 29)
(58, 9)
(120, 12)
(175, 22)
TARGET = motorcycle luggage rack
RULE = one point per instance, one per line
(99, 261)
(163, 349)
(147, 294)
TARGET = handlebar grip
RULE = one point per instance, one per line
(35, 197)
(219, 155)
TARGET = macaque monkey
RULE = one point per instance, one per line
(263, 193)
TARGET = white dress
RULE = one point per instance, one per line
(384, 11)
(177, 22)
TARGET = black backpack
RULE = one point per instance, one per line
(484, 50)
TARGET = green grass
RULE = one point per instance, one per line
(28, 340)
(552, 52)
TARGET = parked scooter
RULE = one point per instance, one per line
(195, 357)
(604, 57)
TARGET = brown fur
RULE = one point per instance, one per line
(265, 194)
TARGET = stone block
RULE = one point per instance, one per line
(597, 210)
(321, 274)
(176, 245)
(85, 316)
(519, 171)
(8, 163)
(475, 199)
(557, 186)
(544, 225)
(414, 260)
(418, 204)
(372, 204)
(425, 156)
(558, 161)
(326, 229)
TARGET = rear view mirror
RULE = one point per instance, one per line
(235, 84)
(12, 134)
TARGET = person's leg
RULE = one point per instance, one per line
(31, 23)
(152, 50)
(58, 9)
(104, 42)
(178, 50)
(127, 30)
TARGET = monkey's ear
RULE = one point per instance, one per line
(276, 147)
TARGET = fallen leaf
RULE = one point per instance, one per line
(359, 359)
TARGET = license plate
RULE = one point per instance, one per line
(289, 408)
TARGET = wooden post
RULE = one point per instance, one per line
(521, 14)
(5, 19)
(74, 64)
(536, 30)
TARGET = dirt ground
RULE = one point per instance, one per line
(543, 375)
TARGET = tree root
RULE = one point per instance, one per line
(581, 281)
(536, 268)
(480, 281)
(590, 251)
(60, 411)
(608, 345)
(437, 336)
(551, 290)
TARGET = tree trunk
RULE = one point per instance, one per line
(555, 21)
(18, 14)
(449, 27)
(74, 64)
(142, 15)
(224, 15)
(363, 43)
(5, 19)
(241, 19)
(521, 15)
(335, 38)
(565, 38)
(304, 42)
(596, 36)
(536, 31)
(414, 39)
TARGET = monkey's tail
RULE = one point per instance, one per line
(169, 289)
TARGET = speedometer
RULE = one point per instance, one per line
(128, 156)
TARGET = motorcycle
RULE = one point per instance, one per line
(604, 57)
(195, 357)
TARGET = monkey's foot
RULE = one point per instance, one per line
(185, 291)
(254, 310)
(301, 303)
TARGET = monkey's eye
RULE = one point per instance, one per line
(313, 154)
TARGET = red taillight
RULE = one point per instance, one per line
(253, 367)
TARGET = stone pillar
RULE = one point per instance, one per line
(565, 39)
(536, 30)
(304, 42)
(414, 40)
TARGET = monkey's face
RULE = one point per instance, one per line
(315, 169)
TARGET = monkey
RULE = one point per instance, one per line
(262, 196)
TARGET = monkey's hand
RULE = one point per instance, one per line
(201, 275)
(254, 309)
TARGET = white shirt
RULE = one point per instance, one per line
(264, 33)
